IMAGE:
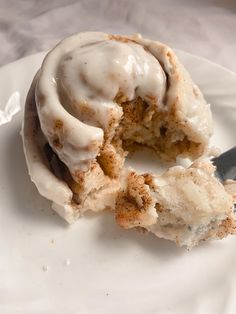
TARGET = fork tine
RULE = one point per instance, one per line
(226, 165)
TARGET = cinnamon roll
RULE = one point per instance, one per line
(94, 98)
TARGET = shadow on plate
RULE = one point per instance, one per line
(109, 234)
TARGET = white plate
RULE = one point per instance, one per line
(111, 270)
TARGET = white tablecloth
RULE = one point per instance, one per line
(205, 28)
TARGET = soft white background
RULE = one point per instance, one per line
(204, 27)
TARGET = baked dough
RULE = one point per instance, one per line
(97, 96)
(182, 205)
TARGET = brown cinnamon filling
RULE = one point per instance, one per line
(142, 123)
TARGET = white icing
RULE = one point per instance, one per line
(89, 73)
(98, 71)
(46, 182)
(80, 78)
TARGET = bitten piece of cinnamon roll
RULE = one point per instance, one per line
(184, 205)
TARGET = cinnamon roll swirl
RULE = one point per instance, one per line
(97, 95)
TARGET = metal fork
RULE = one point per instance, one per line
(226, 165)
